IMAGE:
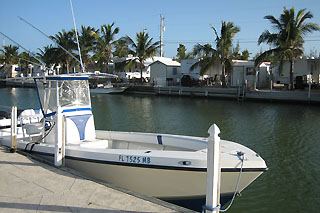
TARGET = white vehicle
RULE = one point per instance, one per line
(169, 167)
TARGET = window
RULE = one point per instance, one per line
(251, 71)
(174, 71)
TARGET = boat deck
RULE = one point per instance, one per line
(29, 185)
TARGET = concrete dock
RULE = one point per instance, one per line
(297, 96)
(27, 185)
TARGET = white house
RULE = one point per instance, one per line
(245, 71)
(242, 71)
(135, 72)
(187, 63)
(185, 68)
(307, 68)
(165, 72)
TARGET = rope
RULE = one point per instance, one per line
(240, 154)
(217, 208)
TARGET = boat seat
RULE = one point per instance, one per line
(30, 123)
(33, 130)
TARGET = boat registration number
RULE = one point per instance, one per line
(134, 159)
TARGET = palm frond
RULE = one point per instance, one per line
(265, 55)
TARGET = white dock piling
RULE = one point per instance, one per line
(58, 154)
(13, 129)
(213, 171)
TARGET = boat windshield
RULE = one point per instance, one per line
(74, 93)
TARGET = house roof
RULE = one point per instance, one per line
(249, 63)
(165, 61)
(243, 63)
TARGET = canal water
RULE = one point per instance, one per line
(287, 136)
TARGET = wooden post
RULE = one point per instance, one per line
(213, 171)
(309, 90)
(13, 129)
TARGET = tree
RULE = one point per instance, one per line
(105, 43)
(245, 54)
(221, 54)
(121, 48)
(48, 55)
(224, 43)
(236, 52)
(207, 55)
(287, 41)
(67, 41)
(181, 53)
(87, 42)
(142, 49)
(10, 55)
(24, 60)
(203, 50)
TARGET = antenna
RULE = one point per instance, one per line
(49, 38)
(75, 29)
(44, 64)
(162, 29)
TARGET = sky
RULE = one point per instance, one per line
(186, 22)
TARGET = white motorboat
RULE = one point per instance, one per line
(169, 167)
(20, 82)
(107, 89)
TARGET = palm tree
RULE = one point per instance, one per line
(121, 48)
(181, 53)
(141, 50)
(207, 55)
(87, 42)
(288, 40)
(10, 56)
(49, 55)
(224, 43)
(24, 60)
(66, 40)
(105, 43)
(221, 54)
(203, 50)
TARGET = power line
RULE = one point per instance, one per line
(212, 42)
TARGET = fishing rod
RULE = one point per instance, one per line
(44, 64)
(29, 61)
(50, 39)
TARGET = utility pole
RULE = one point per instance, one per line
(162, 29)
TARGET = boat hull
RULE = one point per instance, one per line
(111, 90)
(186, 188)
(164, 183)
